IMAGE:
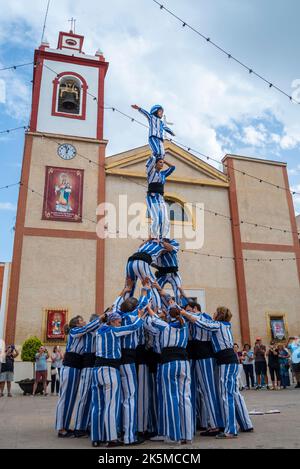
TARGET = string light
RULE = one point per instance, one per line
(14, 67)
(187, 147)
(216, 256)
(228, 55)
(7, 131)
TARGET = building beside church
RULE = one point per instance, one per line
(61, 267)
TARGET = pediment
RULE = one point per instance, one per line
(189, 168)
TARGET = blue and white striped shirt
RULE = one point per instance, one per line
(153, 248)
(221, 333)
(171, 334)
(152, 334)
(133, 340)
(198, 333)
(77, 336)
(108, 339)
(169, 258)
(157, 176)
(156, 125)
(90, 342)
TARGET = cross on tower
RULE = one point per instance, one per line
(72, 21)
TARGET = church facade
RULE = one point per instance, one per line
(66, 261)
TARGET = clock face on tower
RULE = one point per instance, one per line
(66, 151)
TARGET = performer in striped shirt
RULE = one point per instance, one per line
(167, 268)
(175, 390)
(71, 370)
(233, 404)
(156, 205)
(156, 129)
(129, 311)
(84, 400)
(138, 266)
(106, 387)
(205, 371)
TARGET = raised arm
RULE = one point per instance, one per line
(168, 130)
(89, 327)
(206, 324)
(127, 330)
(169, 171)
(142, 111)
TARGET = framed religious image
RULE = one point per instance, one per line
(277, 326)
(55, 321)
(63, 194)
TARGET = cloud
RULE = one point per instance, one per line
(8, 206)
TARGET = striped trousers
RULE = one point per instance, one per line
(129, 387)
(233, 405)
(69, 383)
(140, 270)
(174, 279)
(143, 398)
(157, 147)
(84, 400)
(176, 390)
(105, 404)
(161, 431)
(153, 405)
(158, 212)
(205, 374)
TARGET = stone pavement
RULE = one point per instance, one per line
(27, 422)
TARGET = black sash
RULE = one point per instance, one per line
(89, 360)
(141, 256)
(199, 350)
(165, 270)
(73, 360)
(141, 355)
(100, 361)
(156, 188)
(226, 357)
(128, 356)
(171, 354)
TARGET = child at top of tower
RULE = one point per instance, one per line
(156, 129)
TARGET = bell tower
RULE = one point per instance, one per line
(58, 261)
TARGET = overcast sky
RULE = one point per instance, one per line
(215, 106)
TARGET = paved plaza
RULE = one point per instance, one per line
(27, 422)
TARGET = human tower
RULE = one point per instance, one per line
(154, 367)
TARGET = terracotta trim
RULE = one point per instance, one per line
(268, 247)
(63, 137)
(100, 254)
(56, 233)
(83, 60)
(290, 203)
(253, 160)
(18, 244)
(77, 36)
(100, 104)
(37, 80)
(238, 254)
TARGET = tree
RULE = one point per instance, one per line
(29, 349)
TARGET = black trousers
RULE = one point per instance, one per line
(248, 369)
(274, 370)
(55, 382)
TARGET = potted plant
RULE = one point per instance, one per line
(29, 350)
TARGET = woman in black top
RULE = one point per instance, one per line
(273, 363)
